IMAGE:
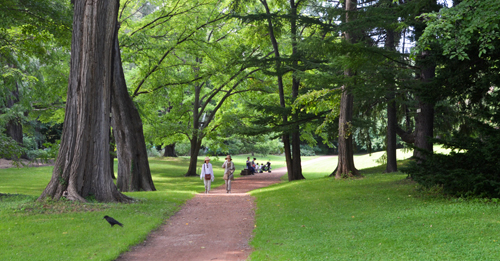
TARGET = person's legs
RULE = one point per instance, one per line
(229, 185)
(207, 186)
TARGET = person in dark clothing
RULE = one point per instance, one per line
(250, 167)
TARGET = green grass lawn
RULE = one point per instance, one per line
(378, 217)
(74, 231)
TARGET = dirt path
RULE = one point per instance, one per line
(217, 226)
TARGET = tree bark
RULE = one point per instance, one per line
(133, 165)
(112, 155)
(346, 166)
(193, 159)
(391, 142)
(195, 135)
(392, 164)
(169, 150)
(296, 160)
(82, 166)
(424, 127)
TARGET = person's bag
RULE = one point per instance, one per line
(208, 176)
(231, 176)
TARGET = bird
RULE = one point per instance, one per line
(112, 221)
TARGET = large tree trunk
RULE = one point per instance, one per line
(424, 127)
(169, 150)
(296, 160)
(392, 165)
(391, 142)
(82, 167)
(346, 166)
(112, 154)
(193, 159)
(133, 165)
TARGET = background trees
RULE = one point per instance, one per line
(229, 76)
(33, 37)
(468, 78)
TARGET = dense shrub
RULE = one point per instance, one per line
(471, 169)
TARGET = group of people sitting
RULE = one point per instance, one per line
(255, 167)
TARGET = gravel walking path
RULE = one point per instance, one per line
(217, 226)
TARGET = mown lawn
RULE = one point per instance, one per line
(378, 217)
(74, 231)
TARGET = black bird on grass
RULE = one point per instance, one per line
(112, 221)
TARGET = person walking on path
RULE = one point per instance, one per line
(228, 172)
(207, 174)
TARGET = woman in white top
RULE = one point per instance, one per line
(207, 174)
(228, 172)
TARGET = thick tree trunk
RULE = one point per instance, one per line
(391, 142)
(133, 165)
(346, 166)
(193, 159)
(424, 129)
(82, 166)
(424, 121)
(288, 155)
(112, 154)
(169, 150)
(392, 165)
(296, 160)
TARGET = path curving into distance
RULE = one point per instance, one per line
(217, 226)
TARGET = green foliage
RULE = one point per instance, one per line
(471, 169)
(467, 25)
(9, 148)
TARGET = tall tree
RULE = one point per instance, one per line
(133, 165)
(296, 162)
(346, 166)
(279, 78)
(82, 166)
